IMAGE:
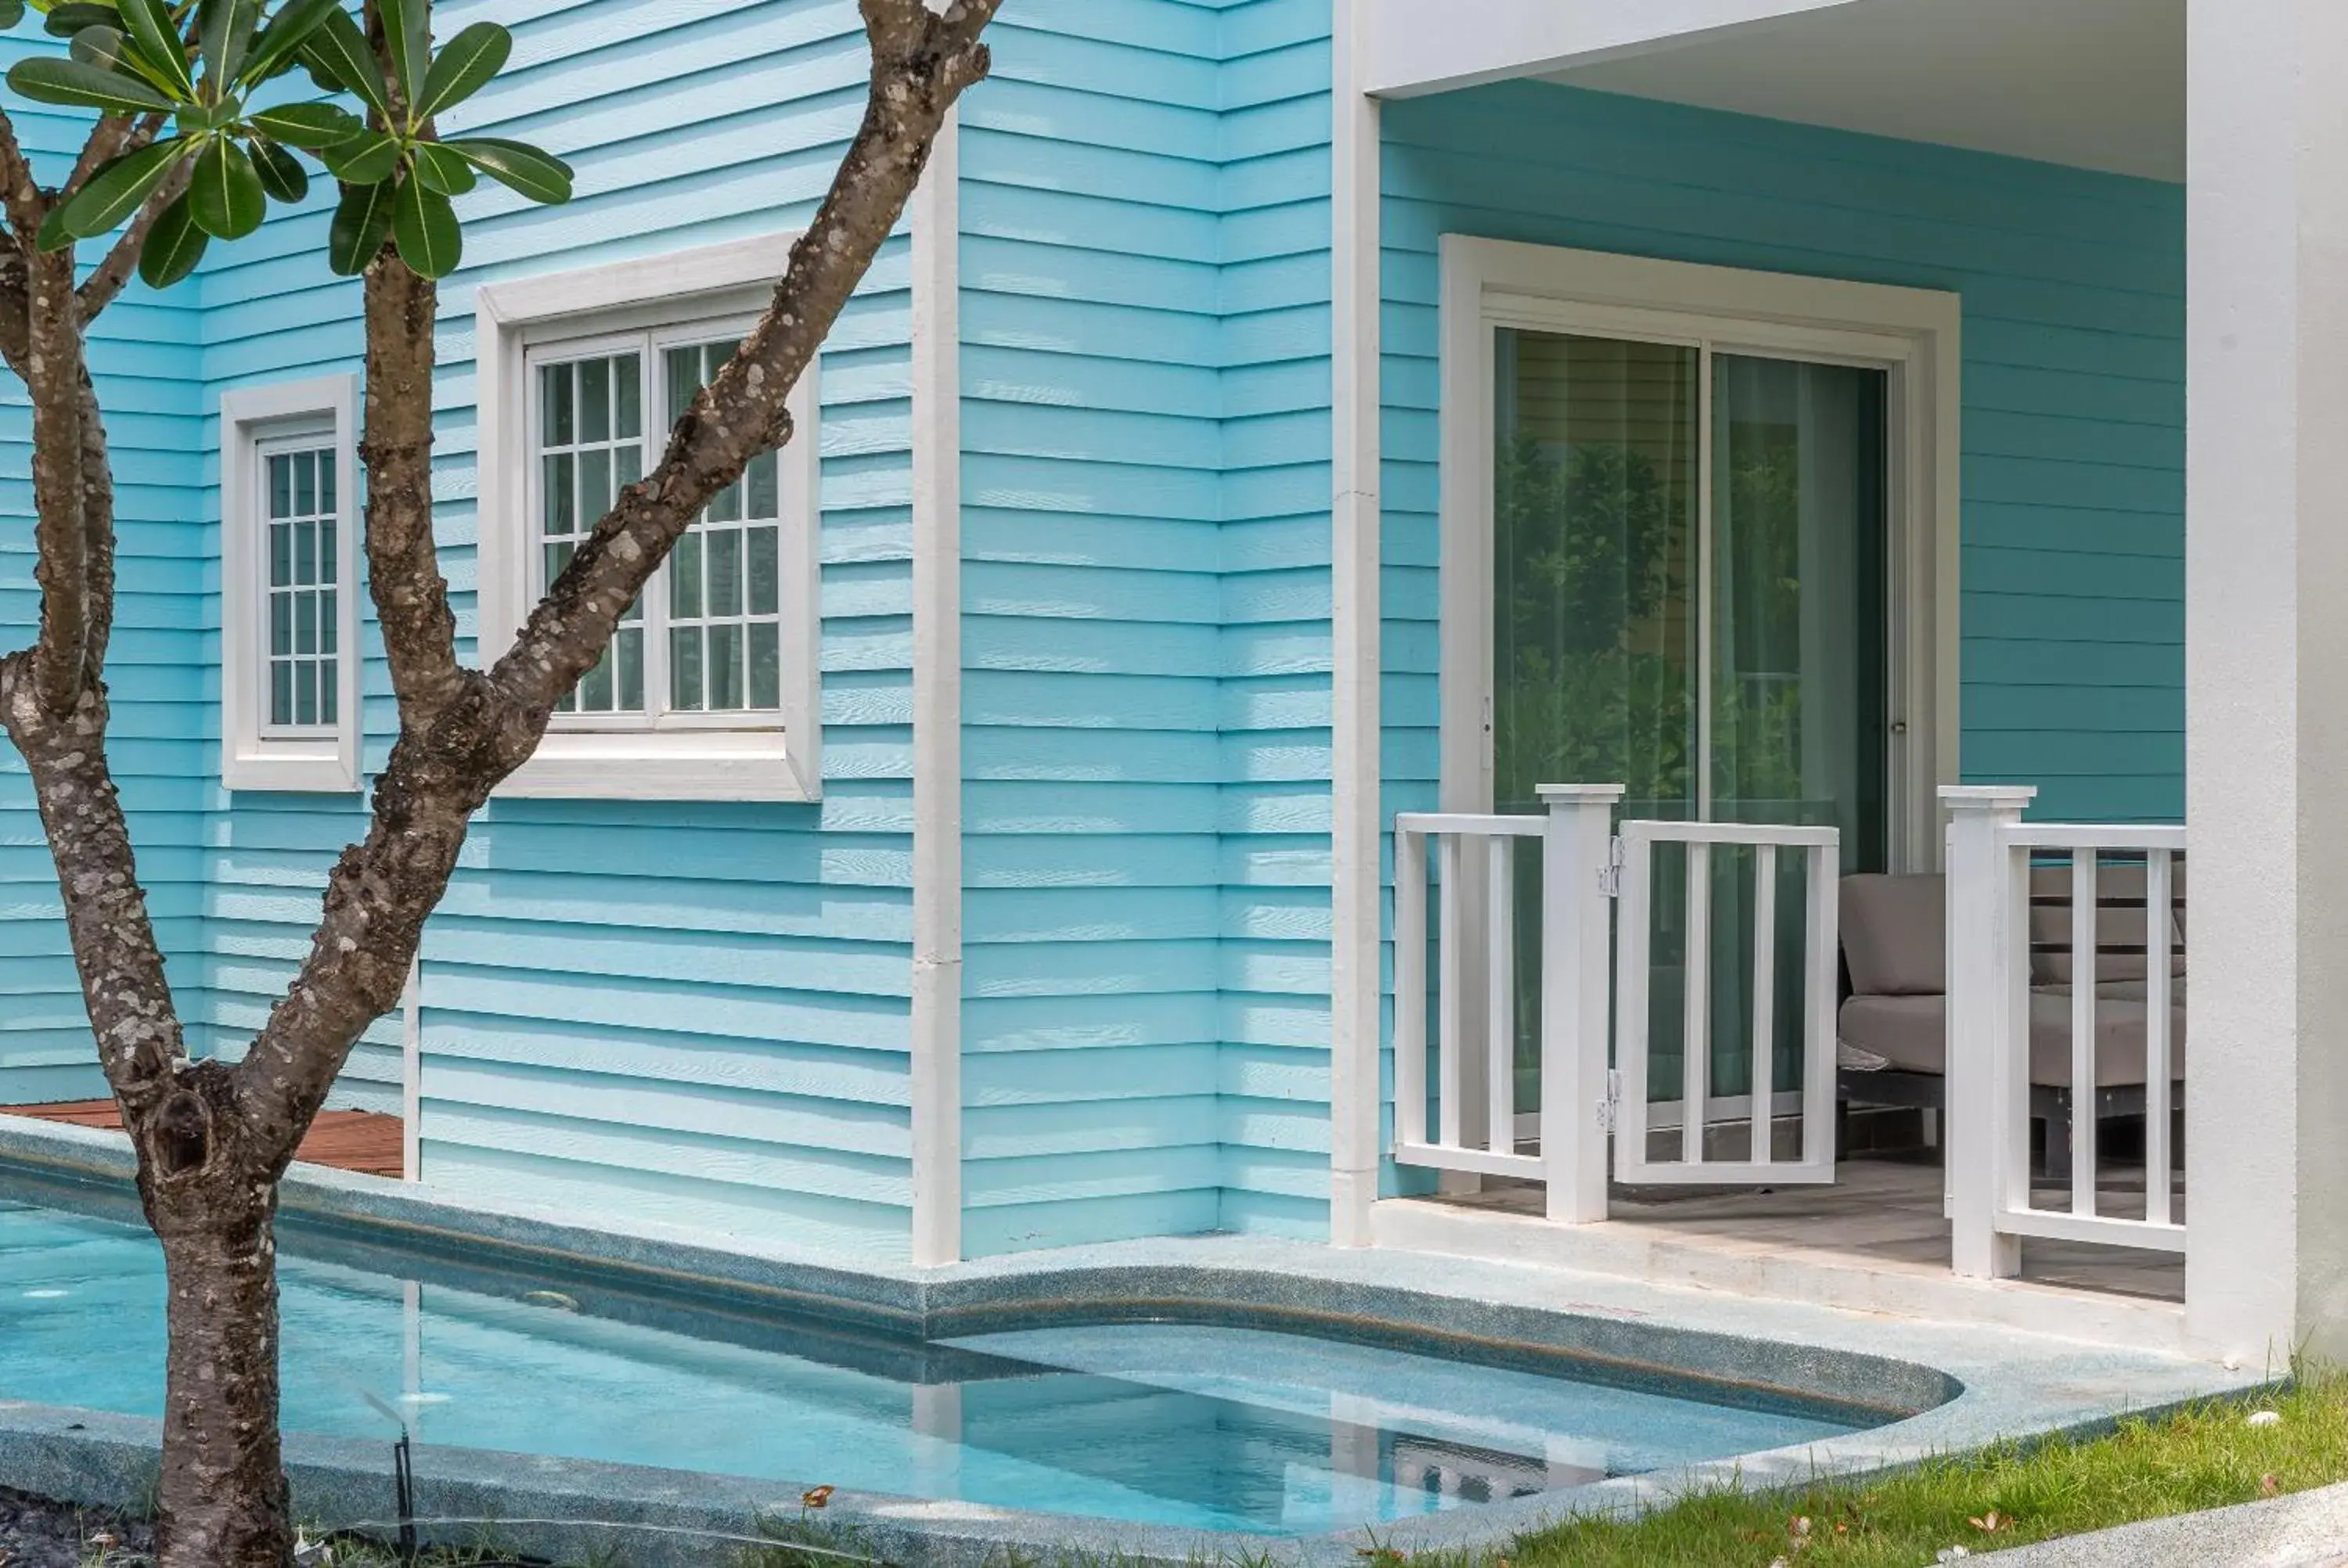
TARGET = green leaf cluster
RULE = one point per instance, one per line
(195, 68)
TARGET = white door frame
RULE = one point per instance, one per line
(1913, 334)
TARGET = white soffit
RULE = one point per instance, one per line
(1431, 46)
(2097, 84)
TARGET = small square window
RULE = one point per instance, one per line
(289, 684)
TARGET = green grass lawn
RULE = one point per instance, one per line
(2208, 1456)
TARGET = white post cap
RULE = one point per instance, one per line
(1987, 798)
(1579, 795)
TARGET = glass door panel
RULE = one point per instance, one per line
(1595, 491)
(1796, 659)
(1690, 597)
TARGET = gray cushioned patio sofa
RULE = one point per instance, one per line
(1894, 1018)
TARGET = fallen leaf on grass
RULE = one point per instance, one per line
(2269, 1484)
(1991, 1523)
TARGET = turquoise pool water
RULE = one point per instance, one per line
(1206, 1427)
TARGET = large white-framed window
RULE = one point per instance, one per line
(1717, 389)
(289, 587)
(709, 689)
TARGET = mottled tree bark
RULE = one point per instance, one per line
(213, 1139)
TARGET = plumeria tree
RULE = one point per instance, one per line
(202, 113)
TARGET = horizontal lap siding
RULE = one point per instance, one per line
(1091, 689)
(692, 1015)
(143, 352)
(1145, 648)
(1273, 1079)
(2073, 462)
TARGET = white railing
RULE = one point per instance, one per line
(1994, 859)
(1762, 1104)
(1474, 1128)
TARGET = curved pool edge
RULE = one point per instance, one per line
(2004, 1382)
(563, 1508)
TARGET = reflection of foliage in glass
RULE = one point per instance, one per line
(1757, 724)
(1591, 685)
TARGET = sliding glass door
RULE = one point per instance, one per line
(1689, 573)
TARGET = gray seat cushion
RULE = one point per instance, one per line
(1910, 1033)
(1892, 935)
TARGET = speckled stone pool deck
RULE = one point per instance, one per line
(2004, 1381)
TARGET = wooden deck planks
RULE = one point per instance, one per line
(346, 1139)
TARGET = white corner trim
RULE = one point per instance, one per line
(936, 1066)
(325, 763)
(736, 278)
(411, 1073)
(1915, 334)
(1357, 826)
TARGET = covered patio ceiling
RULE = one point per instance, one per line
(2097, 84)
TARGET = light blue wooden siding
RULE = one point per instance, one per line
(1273, 1083)
(1145, 374)
(144, 354)
(1091, 608)
(692, 1014)
(2073, 466)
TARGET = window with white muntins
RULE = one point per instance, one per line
(709, 688)
(289, 687)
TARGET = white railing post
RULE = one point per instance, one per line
(1576, 973)
(1988, 919)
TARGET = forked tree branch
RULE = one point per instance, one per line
(107, 279)
(114, 946)
(97, 535)
(20, 194)
(109, 138)
(411, 596)
(54, 374)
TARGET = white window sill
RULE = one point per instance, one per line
(713, 765)
(292, 767)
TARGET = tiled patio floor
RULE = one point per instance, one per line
(1884, 1211)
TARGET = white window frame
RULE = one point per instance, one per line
(1912, 335)
(254, 754)
(756, 756)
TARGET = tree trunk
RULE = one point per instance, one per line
(223, 1501)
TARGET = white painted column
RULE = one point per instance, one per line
(1358, 820)
(1987, 921)
(411, 1073)
(2266, 625)
(936, 1023)
(1577, 918)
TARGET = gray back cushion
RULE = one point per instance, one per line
(1894, 934)
(2122, 926)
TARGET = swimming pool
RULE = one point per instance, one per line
(1210, 1426)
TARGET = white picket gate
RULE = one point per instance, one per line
(1696, 1113)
